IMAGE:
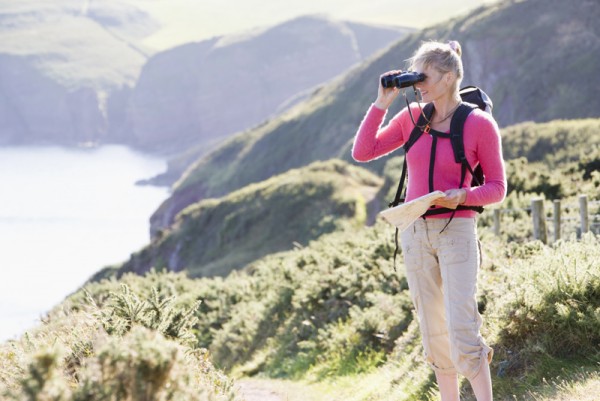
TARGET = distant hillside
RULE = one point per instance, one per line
(199, 93)
(77, 43)
(76, 71)
(555, 142)
(525, 54)
(61, 66)
(216, 236)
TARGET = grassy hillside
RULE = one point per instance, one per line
(526, 78)
(333, 316)
(329, 319)
(555, 160)
(78, 44)
(215, 236)
(117, 346)
(554, 143)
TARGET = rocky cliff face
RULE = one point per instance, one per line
(202, 92)
(535, 58)
(59, 65)
(217, 236)
(75, 71)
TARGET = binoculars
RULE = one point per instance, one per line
(402, 80)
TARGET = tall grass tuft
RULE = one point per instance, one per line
(113, 346)
(550, 306)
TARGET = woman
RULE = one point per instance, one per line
(441, 251)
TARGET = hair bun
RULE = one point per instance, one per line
(454, 45)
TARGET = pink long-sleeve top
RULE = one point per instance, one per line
(482, 143)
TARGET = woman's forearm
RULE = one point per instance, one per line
(372, 142)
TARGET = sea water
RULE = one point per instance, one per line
(64, 215)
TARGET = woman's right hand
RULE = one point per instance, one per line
(386, 96)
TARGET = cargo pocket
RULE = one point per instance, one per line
(412, 251)
(455, 250)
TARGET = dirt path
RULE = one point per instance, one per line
(262, 389)
(257, 390)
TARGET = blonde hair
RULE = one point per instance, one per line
(444, 57)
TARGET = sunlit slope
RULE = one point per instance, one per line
(63, 66)
(535, 59)
(335, 315)
(215, 236)
(199, 93)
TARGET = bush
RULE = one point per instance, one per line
(121, 346)
(550, 305)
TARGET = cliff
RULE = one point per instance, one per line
(534, 58)
(216, 236)
(76, 72)
(60, 64)
(197, 94)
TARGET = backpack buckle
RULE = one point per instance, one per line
(427, 129)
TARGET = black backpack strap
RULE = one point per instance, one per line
(458, 147)
(442, 210)
(456, 130)
(424, 119)
(415, 134)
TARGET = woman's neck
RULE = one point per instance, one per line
(444, 106)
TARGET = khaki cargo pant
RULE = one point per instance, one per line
(441, 269)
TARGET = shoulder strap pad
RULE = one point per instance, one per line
(456, 130)
(416, 132)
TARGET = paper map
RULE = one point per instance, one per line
(405, 214)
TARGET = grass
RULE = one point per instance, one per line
(321, 127)
(332, 316)
(80, 60)
(216, 236)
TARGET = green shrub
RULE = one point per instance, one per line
(550, 305)
(144, 365)
(126, 309)
(590, 163)
(107, 345)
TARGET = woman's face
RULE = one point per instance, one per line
(435, 86)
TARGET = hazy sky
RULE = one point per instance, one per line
(189, 20)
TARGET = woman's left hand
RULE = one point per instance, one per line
(453, 198)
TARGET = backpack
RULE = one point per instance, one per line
(472, 98)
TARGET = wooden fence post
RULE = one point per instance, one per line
(497, 222)
(556, 220)
(539, 220)
(583, 214)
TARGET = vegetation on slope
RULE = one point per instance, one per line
(116, 346)
(335, 310)
(554, 143)
(332, 312)
(215, 236)
(528, 83)
(77, 45)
